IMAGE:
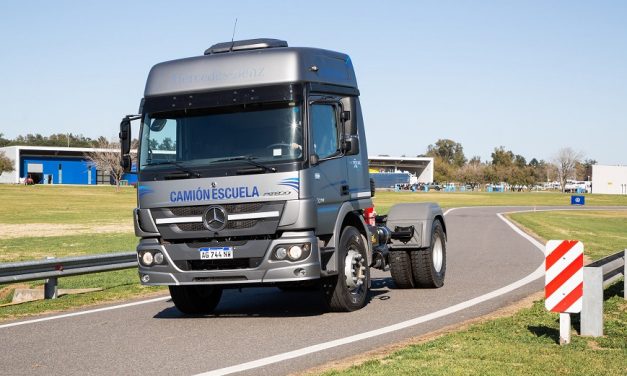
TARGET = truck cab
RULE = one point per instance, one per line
(253, 171)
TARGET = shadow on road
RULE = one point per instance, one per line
(272, 302)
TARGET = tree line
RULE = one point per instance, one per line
(57, 139)
(451, 165)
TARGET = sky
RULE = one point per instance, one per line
(531, 76)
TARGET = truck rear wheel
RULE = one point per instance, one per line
(348, 290)
(429, 265)
(401, 269)
(195, 300)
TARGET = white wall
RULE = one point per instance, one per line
(11, 177)
(426, 176)
(609, 179)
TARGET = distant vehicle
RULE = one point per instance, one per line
(573, 186)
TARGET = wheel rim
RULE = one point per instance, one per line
(354, 271)
(437, 255)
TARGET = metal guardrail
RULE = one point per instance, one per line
(53, 268)
(595, 276)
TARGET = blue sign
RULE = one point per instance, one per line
(577, 200)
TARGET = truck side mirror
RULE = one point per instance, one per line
(125, 144)
(350, 145)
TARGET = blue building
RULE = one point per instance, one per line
(55, 165)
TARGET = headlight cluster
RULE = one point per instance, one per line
(152, 257)
(291, 252)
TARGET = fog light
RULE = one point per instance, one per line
(147, 258)
(145, 278)
(295, 252)
(281, 253)
(158, 258)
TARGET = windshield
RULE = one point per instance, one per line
(263, 132)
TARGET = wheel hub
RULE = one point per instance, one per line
(438, 255)
(354, 270)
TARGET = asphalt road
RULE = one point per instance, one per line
(484, 255)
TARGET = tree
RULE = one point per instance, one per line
(6, 164)
(584, 169)
(566, 160)
(450, 151)
(472, 173)
(4, 141)
(502, 157)
(107, 159)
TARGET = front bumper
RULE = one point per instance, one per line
(252, 258)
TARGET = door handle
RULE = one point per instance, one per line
(344, 190)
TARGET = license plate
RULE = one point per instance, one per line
(216, 253)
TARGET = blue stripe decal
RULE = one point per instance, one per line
(293, 183)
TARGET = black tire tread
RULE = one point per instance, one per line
(424, 274)
(334, 288)
(195, 300)
(401, 269)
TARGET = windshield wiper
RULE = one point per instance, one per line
(248, 159)
(184, 169)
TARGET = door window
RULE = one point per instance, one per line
(324, 130)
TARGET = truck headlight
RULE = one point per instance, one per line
(295, 252)
(280, 253)
(291, 252)
(147, 258)
(158, 257)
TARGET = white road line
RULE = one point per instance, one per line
(536, 274)
(126, 305)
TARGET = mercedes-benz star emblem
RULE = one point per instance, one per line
(215, 218)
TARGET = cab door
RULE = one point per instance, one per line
(330, 184)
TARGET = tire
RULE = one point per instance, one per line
(195, 300)
(342, 294)
(401, 270)
(429, 265)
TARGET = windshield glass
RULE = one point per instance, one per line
(263, 132)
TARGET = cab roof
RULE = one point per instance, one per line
(250, 63)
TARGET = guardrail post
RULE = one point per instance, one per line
(50, 288)
(564, 328)
(592, 307)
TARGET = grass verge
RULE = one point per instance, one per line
(525, 343)
(602, 232)
(65, 204)
(384, 200)
(33, 248)
(117, 285)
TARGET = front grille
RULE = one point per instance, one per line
(239, 263)
(191, 227)
(187, 211)
(230, 225)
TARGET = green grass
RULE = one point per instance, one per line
(33, 248)
(384, 199)
(116, 285)
(602, 232)
(65, 204)
(523, 344)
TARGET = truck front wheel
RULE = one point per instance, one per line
(348, 290)
(195, 300)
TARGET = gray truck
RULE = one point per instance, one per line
(253, 171)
